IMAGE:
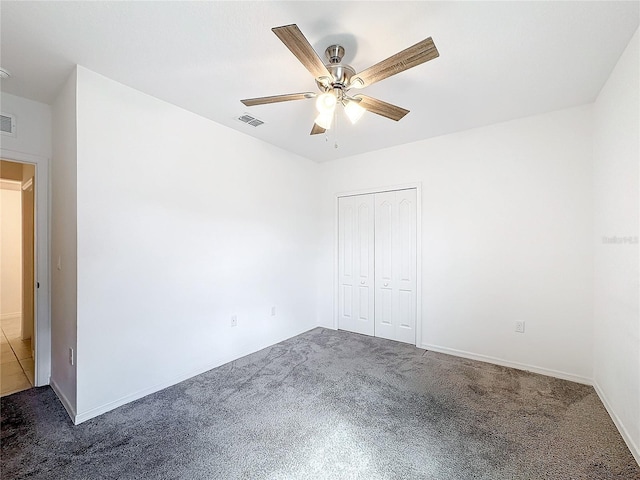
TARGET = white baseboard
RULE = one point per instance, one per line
(9, 316)
(64, 400)
(635, 449)
(507, 363)
(94, 412)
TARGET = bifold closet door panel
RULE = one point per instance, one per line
(395, 265)
(355, 264)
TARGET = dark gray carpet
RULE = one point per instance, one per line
(328, 405)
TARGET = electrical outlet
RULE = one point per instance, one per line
(519, 327)
(273, 311)
(71, 358)
(234, 320)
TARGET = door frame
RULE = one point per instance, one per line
(42, 293)
(405, 186)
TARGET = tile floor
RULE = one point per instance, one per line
(16, 362)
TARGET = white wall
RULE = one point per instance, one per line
(617, 212)
(64, 244)
(182, 223)
(33, 126)
(10, 249)
(506, 227)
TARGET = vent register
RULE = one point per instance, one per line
(8, 124)
(249, 120)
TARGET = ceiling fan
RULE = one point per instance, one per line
(335, 79)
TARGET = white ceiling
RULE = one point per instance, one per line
(498, 60)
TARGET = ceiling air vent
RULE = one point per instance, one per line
(248, 119)
(8, 124)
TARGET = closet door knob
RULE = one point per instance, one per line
(386, 284)
(361, 282)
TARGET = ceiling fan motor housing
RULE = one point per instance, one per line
(340, 73)
(334, 53)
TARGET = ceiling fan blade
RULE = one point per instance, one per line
(317, 129)
(295, 41)
(250, 102)
(410, 57)
(379, 107)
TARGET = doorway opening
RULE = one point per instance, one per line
(18, 279)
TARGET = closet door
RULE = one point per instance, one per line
(395, 264)
(355, 269)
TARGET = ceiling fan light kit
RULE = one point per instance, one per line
(334, 79)
(324, 120)
(326, 102)
(354, 111)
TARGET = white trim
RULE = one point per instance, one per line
(27, 184)
(336, 265)
(99, 410)
(42, 304)
(633, 448)
(9, 316)
(508, 363)
(418, 264)
(94, 412)
(64, 400)
(366, 191)
(392, 188)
